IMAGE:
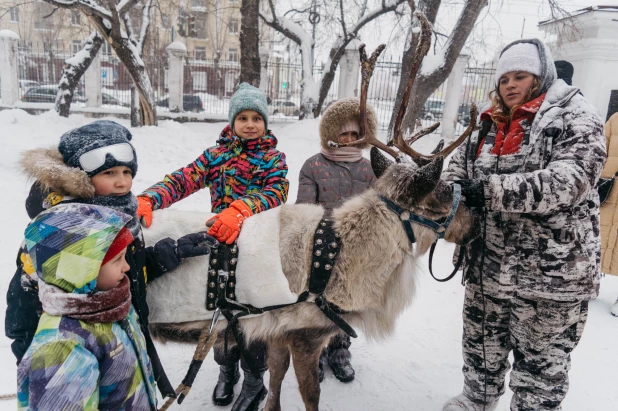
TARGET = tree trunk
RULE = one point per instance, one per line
(426, 83)
(327, 80)
(75, 68)
(137, 71)
(249, 42)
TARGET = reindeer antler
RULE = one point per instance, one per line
(367, 66)
(398, 139)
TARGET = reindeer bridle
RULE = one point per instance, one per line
(407, 217)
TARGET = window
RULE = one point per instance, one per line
(232, 55)
(106, 49)
(14, 14)
(199, 80)
(200, 26)
(75, 18)
(76, 46)
(40, 22)
(200, 53)
(198, 5)
(233, 26)
(165, 21)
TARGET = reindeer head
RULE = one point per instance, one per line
(420, 191)
(416, 187)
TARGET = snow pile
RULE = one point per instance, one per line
(417, 369)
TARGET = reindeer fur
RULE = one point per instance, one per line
(373, 278)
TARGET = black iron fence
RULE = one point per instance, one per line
(209, 84)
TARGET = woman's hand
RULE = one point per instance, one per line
(226, 225)
(473, 192)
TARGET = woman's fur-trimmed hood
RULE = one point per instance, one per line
(46, 166)
(340, 113)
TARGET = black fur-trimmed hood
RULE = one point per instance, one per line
(46, 166)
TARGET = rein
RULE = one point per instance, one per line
(408, 218)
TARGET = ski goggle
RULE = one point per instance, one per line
(94, 159)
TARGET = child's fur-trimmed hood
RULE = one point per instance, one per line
(46, 166)
(339, 113)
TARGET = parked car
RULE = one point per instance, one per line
(47, 94)
(463, 114)
(288, 108)
(107, 99)
(433, 109)
(189, 103)
(25, 85)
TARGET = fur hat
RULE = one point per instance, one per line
(248, 97)
(531, 55)
(565, 71)
(340, 114)
(101, 133)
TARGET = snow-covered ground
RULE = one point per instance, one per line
(418, 368)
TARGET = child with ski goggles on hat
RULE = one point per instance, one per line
(94, 164)
(246, 175)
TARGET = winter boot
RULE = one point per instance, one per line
(223, 393)
(322, 364)
(615, 309)
(252, 393)
(463, 403)
(339, 361)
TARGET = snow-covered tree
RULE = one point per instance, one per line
(73, 71)
(314, 92)
(437, 66)
(112, 20)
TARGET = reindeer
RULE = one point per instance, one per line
(373, 278)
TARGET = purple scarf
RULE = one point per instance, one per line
(101, 307)
(346, 154)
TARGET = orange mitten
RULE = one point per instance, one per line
(226, 226)
(144, 210)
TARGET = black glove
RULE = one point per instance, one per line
(195, 244)
(473, 192)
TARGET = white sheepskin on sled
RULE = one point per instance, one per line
(180, 295)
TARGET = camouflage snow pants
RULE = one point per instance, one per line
(541, 334)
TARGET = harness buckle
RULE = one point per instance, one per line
(405, 215)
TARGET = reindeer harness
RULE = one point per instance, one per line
(440, 228)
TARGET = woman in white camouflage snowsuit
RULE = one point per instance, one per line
(532, 172)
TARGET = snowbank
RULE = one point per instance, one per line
(417, 369)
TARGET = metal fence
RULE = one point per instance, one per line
(39, 70)
(209, 84)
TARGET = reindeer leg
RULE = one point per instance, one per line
(306, 348)
(278, 364)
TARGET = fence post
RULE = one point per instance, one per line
(453, 94)
(349, 68)
(177, 52)
(92, 80)
(9, 43)
(264, 54)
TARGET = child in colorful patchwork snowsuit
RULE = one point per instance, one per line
(532, 171)
(246, 175)
(93, 164)
(331, 177)
(88, 352)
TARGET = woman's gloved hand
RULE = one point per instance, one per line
(144, 210)
(473, 192)
(226, 225)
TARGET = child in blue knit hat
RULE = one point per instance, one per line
(246, 175)
(93, 164)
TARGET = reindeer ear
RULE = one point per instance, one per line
(426, 179)
(439, 147)
(379, 163)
